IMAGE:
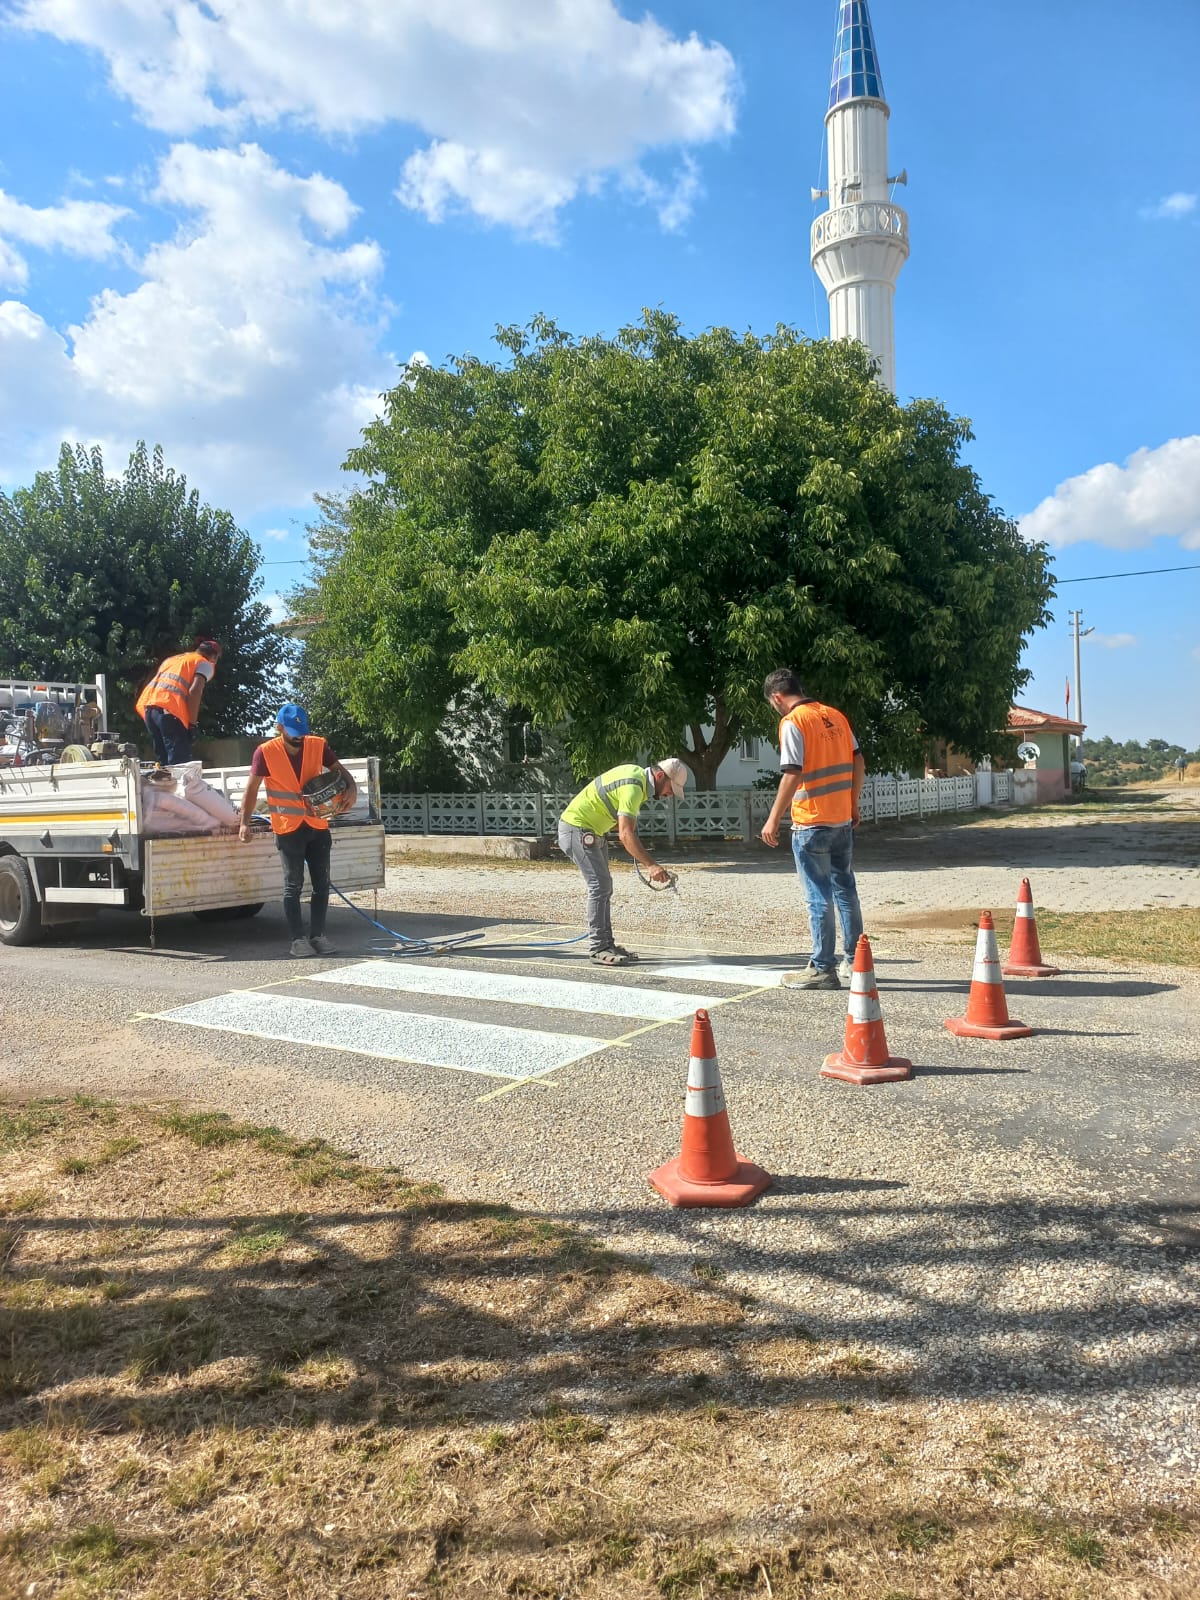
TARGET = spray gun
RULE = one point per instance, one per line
(671, 883)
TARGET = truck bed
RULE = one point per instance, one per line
(80, 828)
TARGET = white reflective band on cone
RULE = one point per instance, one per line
(705, 1097)
(865, 1008)
(987, 958)
(1025, 909)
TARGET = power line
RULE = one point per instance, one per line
(1145, 572)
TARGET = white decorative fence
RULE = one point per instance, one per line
(714, 814)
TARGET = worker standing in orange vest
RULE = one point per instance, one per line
(286, 763)
(822, 778)
(169, 705)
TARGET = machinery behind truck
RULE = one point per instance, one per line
(74, 836)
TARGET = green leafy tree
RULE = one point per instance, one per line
(111, 575)
(1110, 764)
(625, 535)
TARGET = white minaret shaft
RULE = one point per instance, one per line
(861, 242)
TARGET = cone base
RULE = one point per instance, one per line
(746, 1184)
(894, 1070)
(1031, 972)
(981, 1030)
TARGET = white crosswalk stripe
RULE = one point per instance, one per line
(485, 1047)
(722, 972)
(559, 994)
(496, 1048)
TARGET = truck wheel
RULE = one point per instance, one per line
(228, 913)
(20, 918)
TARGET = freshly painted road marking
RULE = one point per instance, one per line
(430, 1041)
(718, 972)
(559, 994)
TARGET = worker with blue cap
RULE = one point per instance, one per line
(286, 764)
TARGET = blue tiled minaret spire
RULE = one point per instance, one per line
(861, 242)
(856, 73)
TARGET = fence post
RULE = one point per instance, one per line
(747, 818)
(479, 813)
(672, 829)
(921, 799)
(541, 813)
(425, 813)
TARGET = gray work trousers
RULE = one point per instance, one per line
(592, 861)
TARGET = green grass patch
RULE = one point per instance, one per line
(1170, 936)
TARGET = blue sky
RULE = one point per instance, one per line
(223, 224)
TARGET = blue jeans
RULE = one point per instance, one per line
(824, 858)
(172, 740)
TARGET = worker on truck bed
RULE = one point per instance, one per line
(286, 763)
(613, 800)
(169, 705)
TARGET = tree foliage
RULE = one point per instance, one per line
(110, 575)
(1111, 763)
(625, 535)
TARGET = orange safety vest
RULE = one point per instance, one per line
(170, 686)
(287, 806)
(825, 797)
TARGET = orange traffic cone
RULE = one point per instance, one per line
(987, 1010)
(1025, 953)
(707, 1171)
(864, 1056)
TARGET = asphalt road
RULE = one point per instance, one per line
(1020, 1218)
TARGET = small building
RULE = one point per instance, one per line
(1052, 735)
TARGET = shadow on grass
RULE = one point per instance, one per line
(328, 1292)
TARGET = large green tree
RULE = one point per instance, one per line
(624, 535)
(101, 574)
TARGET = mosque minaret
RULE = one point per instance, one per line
(861, 242)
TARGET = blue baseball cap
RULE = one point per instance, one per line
(292, 719)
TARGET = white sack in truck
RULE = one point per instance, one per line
(202, 794)
(163, 812)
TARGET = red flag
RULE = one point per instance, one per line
(1068, 694)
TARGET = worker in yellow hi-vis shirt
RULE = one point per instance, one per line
(613, 800)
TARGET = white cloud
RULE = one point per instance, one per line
(1113, 641)
(80, 227)
(673, 201)
(249, 349)
(1155, 494)
(1172, 207)
(524, 103)
(277, 533)
(276, 605)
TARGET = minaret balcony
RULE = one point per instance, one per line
(873, 220)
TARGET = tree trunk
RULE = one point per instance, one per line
(706, 754)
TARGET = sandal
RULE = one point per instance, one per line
(628, 954)
(611, 957)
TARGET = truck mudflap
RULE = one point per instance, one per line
(202, 874)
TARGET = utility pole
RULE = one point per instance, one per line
(1078, 632)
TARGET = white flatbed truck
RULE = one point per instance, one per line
(72, 843)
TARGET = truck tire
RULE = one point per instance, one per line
(228, 913)
(20, 915)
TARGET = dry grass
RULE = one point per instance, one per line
(1170, 936)
(238, 1365)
